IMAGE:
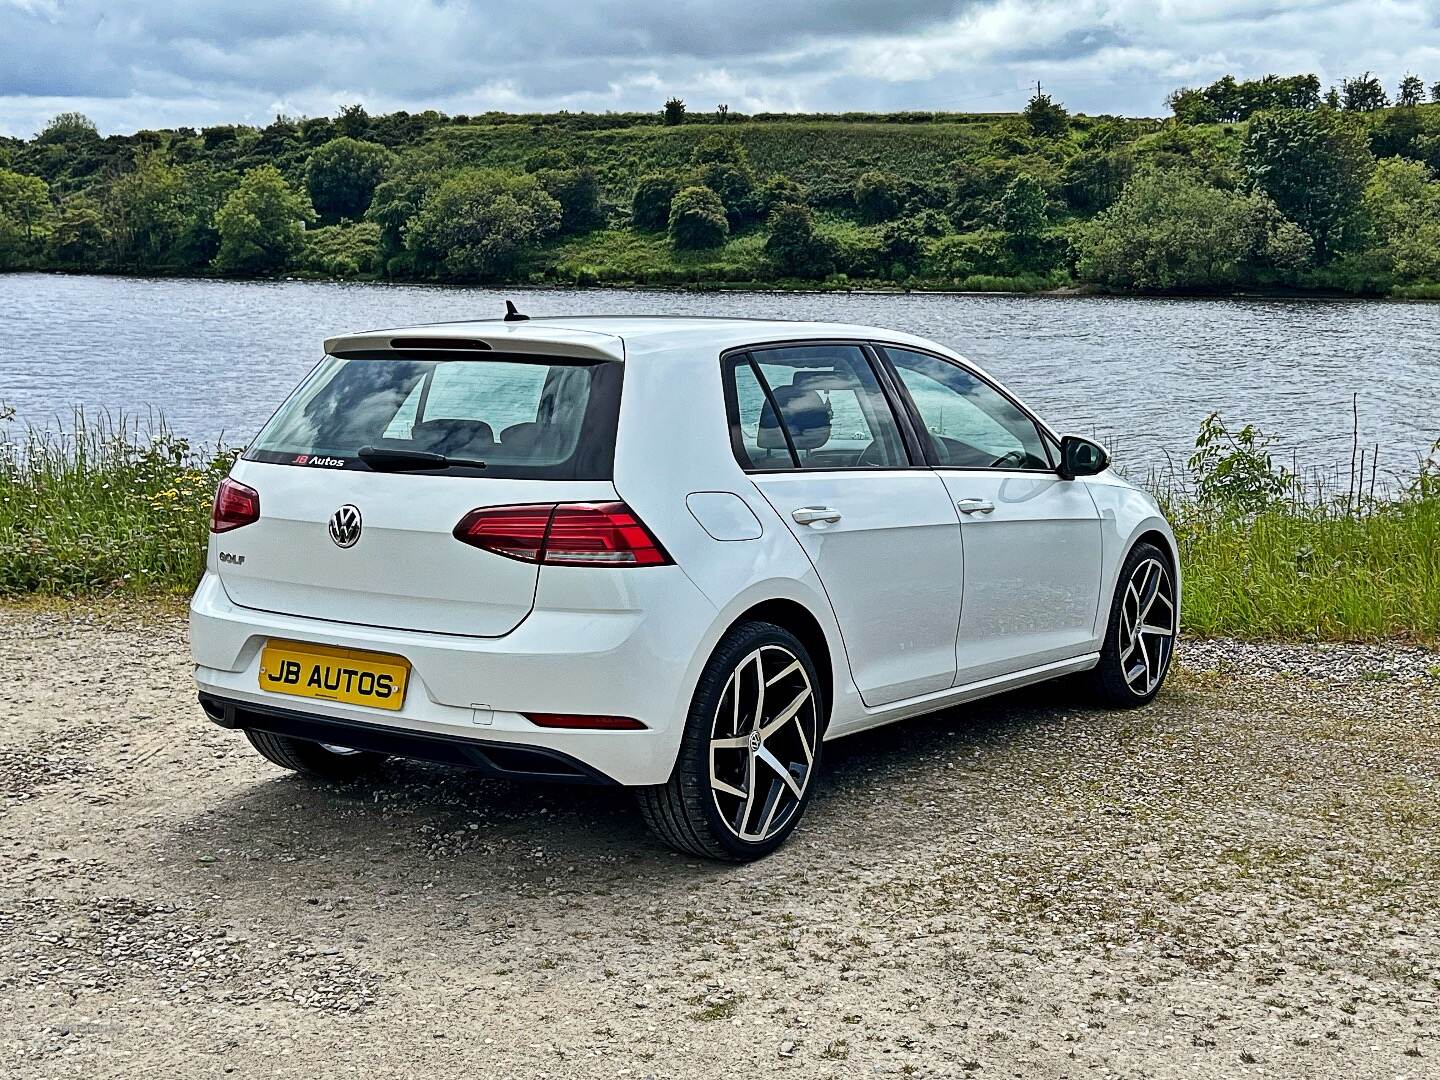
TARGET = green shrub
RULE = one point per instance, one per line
(650, 204)
(343, 251)
(697, 219)
(793, 245)
(877, 196)
(478, 223)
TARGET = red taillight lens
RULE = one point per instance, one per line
(235, 505)
(587, 723)
(564, 534)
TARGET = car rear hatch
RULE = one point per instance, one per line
(364, 473)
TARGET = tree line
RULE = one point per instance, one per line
(1256, 183)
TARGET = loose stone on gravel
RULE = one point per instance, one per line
(1236, 880)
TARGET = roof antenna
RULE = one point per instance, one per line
(511, 314)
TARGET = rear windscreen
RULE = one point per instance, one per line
(500, 416)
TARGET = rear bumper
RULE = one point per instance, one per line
(507, 761)
(635, 651)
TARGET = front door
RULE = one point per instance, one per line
(824, 448)
(1032, 540)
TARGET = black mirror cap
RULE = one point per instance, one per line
(1081, 457)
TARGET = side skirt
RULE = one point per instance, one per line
(958, 695)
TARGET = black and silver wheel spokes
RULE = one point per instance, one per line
(762, 743)
(1147, 626)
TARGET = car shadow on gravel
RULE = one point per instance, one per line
(414, 819)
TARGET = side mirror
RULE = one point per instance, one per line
(1081, 457)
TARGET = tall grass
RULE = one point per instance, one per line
(110, 505)
(1267, 552)
(105, 505)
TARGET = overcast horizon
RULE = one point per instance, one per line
(153, 65)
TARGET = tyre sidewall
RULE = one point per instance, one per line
(1112, 676)
(695, 753)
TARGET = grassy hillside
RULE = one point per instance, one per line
(1283, 192)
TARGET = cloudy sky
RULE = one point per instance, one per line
(157, 63)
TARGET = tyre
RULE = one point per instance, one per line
(750, 753)
(1140, 637)
(319, 760)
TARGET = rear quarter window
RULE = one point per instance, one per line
(523, 417)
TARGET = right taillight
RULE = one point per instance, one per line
(235, 505)
(563, 534)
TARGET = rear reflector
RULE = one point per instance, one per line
(588, 723)
(563, 534)
(235, 505)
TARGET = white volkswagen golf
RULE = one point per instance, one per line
(678, 554)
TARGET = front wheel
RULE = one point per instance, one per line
(750, 753)
(1140, 638)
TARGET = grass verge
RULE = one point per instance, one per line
(109, 506)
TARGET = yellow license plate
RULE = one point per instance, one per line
(334, 674)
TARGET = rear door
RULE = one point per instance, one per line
(366, 470)
(1032, 540)
(820, 440)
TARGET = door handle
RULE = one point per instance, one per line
(810, 515)
(975, 506)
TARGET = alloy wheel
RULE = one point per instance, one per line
(762, 743)
(1147, 627)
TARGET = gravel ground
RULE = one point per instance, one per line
(1238, 880)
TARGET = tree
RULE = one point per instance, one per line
(1170, 230)
(877, 196)
(261, 224)
(353, 122)
(77, 233)
(1412, 91)
(1435, 92)
(650, 205)
(722, 165)
(68, 127)
(1047, 119)
(24, 204)
(342, 175)
(577, 190)
(146, 211)
(1363, 93)
(697, 219)
(1023, 214)
(477, 223)
(1093, 179)
(1192, 106)
(674, 112)
(722, 113)
(1314, 165)
(1402, 219)
(793, 245)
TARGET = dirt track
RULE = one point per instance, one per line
(1242, 879)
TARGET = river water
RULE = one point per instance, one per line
(215, 357)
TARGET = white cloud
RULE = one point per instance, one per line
(153, 64)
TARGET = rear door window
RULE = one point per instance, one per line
(521, 417)
(812, 407)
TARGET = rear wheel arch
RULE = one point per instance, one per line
(798, 619)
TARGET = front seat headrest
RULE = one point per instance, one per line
(807, 417)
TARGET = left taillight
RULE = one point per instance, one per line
(563, 534)
(236, 504)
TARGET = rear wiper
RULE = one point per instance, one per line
(385, 460)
